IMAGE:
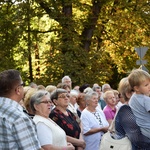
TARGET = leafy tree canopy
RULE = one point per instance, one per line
(92, 41)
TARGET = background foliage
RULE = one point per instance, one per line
(92, 41)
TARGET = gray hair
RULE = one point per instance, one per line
(96, 87)
(104, 86)
(87, 90)
(56, 93)
(89, 95)
(65, 78)
(74, 93)
(105, 96)
(37, 97)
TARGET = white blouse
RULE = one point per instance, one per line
(49, 132)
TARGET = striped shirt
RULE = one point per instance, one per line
(17, 130)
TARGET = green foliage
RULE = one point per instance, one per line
(9, 34)
(91, 41)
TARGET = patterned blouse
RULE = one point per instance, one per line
(67, 123)
(125, 125)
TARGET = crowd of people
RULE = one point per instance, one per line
(62, 117)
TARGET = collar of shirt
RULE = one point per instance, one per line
(8, 101)
(113, 110)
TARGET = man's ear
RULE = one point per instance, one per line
(17, 90)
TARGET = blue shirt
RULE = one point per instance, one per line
(140, 105)
(17, 130)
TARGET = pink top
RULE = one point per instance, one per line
(109, 113)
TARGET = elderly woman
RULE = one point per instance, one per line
(71, 106)
(81, 102)
(50, 135)
(125, 122)
(65, 118)
(93, 121)
(110, 109)
(27, 97)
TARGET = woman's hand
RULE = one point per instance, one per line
(70, 147)
(104, 129)
(82, 144)
(80, 148)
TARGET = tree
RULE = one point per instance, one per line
(90, 41)
(100, 25)
(9, 34)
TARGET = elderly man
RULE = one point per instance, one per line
(67, 80)
(101, 102)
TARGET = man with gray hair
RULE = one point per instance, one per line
(106, 87)
(67, 80)
(101, 102)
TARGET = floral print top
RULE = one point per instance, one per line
(67, 123)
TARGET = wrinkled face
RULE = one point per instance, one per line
(117, 98)
(110, 99)
(73, 99)
(63, 100)
(107, 88)
(144, 88)
(82, 103)
(93, 101)
(99, 92)
(68, 82)
(67, 89)
(44, 107)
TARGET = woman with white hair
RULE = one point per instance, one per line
(93, 122)
(110, 109)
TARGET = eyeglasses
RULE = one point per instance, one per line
(64, 96)
(46, 102)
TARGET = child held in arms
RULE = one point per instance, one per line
(139, 81)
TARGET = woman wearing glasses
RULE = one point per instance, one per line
(65, 119)
(50, 135)
(93, 121)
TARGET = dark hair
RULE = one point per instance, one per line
(83, 87)
(56, 93)
(8, 80)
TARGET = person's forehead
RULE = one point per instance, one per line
(110, 95)
(93, 96)
(64, 93)
(98, 89)
(67, 79)
(107, 86)
(46, 97)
